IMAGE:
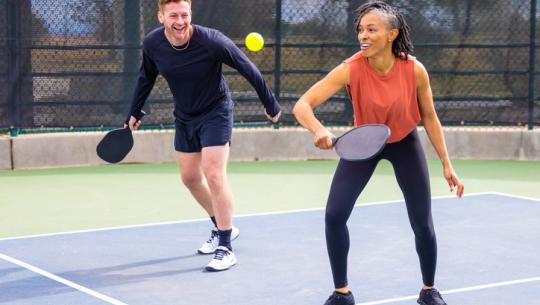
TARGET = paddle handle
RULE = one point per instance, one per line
(141, 115)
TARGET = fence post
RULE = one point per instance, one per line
(12, 60)
(532, 64)
(132, 41)
(277, 64)
(19, 65)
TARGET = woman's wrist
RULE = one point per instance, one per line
(446, 163)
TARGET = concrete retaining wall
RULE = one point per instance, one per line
(78, 149)
(488, 144)
(5, 153)
(56, 150)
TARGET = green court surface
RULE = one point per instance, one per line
(55, 200)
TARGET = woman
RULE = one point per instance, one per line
(387, 86)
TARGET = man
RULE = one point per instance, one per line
(190, 58)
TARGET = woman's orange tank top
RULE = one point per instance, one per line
(384, 99)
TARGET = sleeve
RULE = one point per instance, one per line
(145, 82)
(227, 52)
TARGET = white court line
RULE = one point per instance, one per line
(61, 280)
(358, 205)
(515, 196)
(237, 216)
(452, 291)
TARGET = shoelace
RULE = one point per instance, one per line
(338, 296)
(220, 253)
(213, 235)
(435, 293)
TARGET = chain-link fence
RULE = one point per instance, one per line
(74, 63)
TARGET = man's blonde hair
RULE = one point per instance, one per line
(162, 3)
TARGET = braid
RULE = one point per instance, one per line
(402, 46)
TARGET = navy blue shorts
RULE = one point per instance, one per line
(210, 129)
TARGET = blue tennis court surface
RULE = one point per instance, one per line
(488, 243)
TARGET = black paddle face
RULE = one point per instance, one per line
(362, 143)
(116, 144)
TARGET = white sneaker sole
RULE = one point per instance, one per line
(213, 269)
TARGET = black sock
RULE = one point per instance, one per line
(225, 238)
(213, 219)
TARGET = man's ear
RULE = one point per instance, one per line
(160, 16)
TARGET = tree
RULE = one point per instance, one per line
(237, 18)
(96, 14)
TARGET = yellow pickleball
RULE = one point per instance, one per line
(254, 42)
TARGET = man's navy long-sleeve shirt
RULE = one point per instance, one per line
(195, 74)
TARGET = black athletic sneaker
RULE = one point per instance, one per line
(430, 297)
(340, 299)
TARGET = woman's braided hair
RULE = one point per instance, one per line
(402, 46)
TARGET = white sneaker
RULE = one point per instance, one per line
(223, 260)
(212, 243)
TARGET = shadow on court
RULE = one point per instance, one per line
(488, 254)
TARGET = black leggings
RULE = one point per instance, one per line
(410, 167)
